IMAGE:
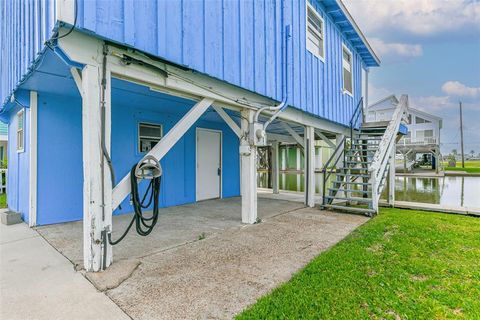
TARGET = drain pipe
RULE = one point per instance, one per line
(260, 130)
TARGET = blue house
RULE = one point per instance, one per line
(199, 85)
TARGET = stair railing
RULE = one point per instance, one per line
(354, 121)
(382, 155)
(325, 170)
(353, 124)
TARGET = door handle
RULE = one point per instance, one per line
(219, 171)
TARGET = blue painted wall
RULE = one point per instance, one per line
(24, 27)
(59, 159)
(131, 105)
(60, 168)
(236, 41)
(18, 166)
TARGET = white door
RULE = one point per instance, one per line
(209, 164)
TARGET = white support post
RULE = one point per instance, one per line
(299, 165)
(275, 167)
(122, 189)
(309, 153)
(32, 214)
(391, 179)
(248, 170)
(97, 208)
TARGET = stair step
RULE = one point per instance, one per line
(350, 190)
(357, 199)
(366, 211)
(359, 162)
(352, 182)
(355, 175)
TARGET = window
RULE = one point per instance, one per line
(20, 130)
(420, 120)
(148, 136)
(347, 71)
(315, 34)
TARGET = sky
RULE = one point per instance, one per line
(430, 50)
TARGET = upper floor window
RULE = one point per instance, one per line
(420, 120)
(148, 136)
(20, 130)
(347, 66)
(315, 34)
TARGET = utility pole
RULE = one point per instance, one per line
(461, 134)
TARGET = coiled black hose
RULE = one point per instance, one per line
(143, 224)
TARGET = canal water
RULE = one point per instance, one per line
(448, 191)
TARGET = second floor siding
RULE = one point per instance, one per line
(236, 41)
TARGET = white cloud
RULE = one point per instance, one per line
(455, 88)
(431, 104)
(422, 18)
(396, 52)
(376, 93)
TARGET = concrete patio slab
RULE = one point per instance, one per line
(176, 226)
(36, 282)
(172, 274)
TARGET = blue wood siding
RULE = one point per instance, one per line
(24, 28)
(236, 41)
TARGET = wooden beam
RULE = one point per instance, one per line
(32, 213)
(294, 134)
(122, 189)
(248, 172)
(310, 166)
(275, 167)
(228, 120)
(96, 215)
(77, 77)
(324, 138)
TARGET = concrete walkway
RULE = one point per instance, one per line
(37, 282)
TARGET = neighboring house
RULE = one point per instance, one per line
(423, 136)
(3, 143)
(182, 80)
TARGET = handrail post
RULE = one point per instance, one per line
(374, 182)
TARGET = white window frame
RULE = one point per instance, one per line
(21, 113)
(139, 137)
(345, 91)
(322, 36)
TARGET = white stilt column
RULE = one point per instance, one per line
(248, 172)
(391, 179)
(97, 208)
(275, 167)
(309, 166)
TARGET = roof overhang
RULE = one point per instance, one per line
(344, 20)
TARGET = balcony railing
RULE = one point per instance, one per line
(417, 141)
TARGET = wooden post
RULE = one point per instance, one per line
(309, 166)
(97, 208)
(32, 214)
(275, 167)
(248, 172)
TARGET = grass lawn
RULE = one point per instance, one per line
(3, 200)
(403, 264)
(471, 166)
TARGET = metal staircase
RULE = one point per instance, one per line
(359, 166)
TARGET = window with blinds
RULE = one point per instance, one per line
(20, 131)
(315, 33)
(347, 67)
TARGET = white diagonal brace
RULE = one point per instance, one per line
(122, 189)
(294, 134)
(228, 120)
(77, 77)
(324, 138)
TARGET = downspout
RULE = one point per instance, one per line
(283, 104)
